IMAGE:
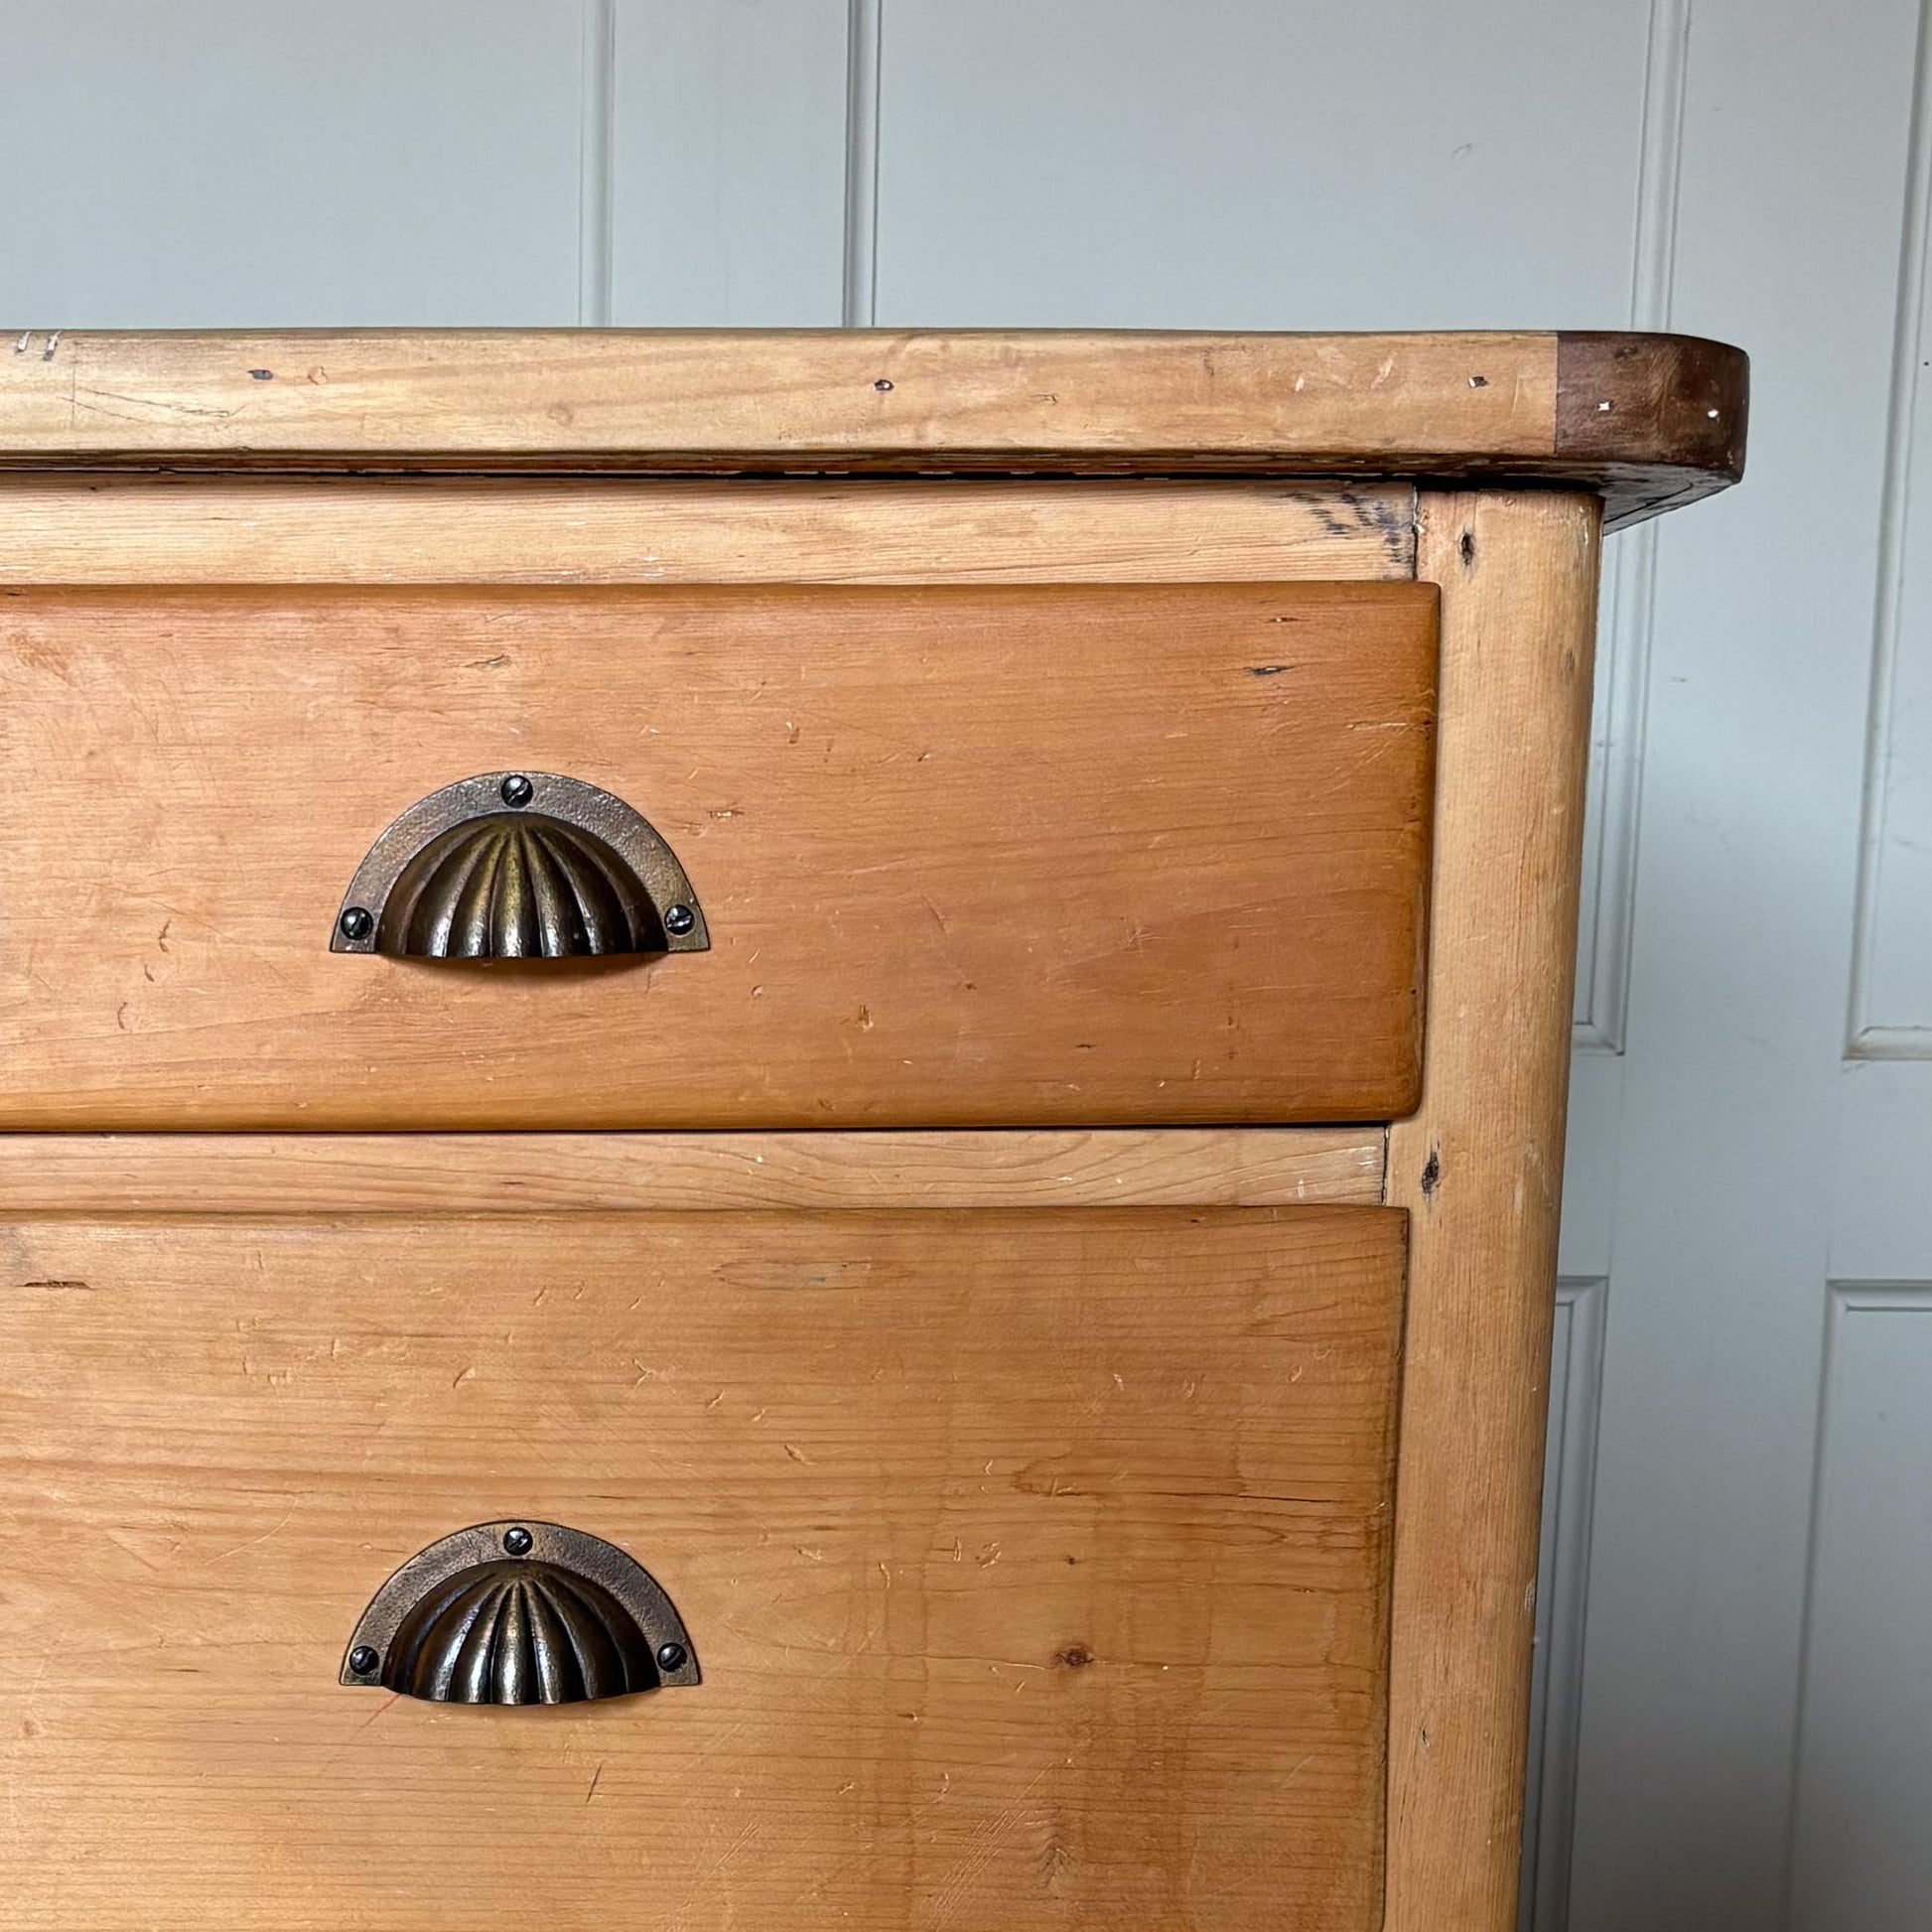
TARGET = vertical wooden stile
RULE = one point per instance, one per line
(1479, 1167)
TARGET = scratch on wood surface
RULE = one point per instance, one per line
(341, 1750)
(979, 1852)
(704, 1874)
(146, 407)
(128, 1548)
(222, 1556)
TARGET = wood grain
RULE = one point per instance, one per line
(340, 1173)
(1085, 856)
(1036, 1564)
(694, 530)
(1692, 395)
(1480, 1167)
(1441, 406)
(759, 396)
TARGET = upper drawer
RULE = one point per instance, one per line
(1077, 854)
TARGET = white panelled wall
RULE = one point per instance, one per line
(1734, 1697)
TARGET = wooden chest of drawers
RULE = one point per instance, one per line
(784, 1114)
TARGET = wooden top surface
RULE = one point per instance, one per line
(1650, 422)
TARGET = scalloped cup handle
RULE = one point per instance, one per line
(520, 865)
(520, 1612)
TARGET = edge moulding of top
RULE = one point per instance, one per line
(1647, 421)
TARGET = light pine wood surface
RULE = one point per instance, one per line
(695, 529)
(1036, 1564)
(1083, 855)
(1648, 421)
(337, 1174)
(1479, 1167)
(861, 395)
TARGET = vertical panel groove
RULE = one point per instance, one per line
(1629, 590)
(1834, 1310)
(595, 165)
(1865, 1040)
(864, 25)
(1562, 1590)
(1843, 1299)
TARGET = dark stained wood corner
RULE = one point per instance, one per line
(1659, 419)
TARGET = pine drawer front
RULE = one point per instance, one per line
(1034, 1562)
(966, 856)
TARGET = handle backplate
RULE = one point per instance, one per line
(519, 865)
(520, 1612)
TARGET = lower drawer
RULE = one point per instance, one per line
(1034, 1562)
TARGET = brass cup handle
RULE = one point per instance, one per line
(520, 1612)
(519, 865)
